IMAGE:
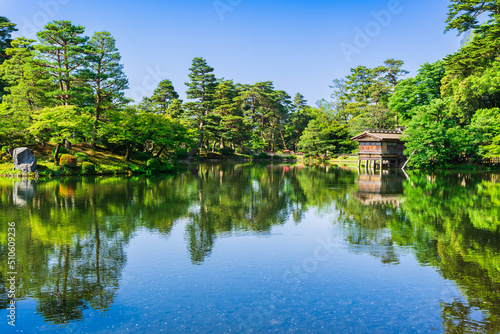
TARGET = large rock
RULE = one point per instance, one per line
(24, 160)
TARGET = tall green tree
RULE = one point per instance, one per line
(361, 99)
(59, 124)
(27, 90)
(6, 30)
(163, 96)
(201, 88)
(104, 74)
(325, 133)
(299, 119)
(417, 91)
(434, 137)
(28, 83)
(62, 52)
(463, 14)
(232, 127)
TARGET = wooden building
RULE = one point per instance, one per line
(379, 146)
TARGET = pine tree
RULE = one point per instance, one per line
(6, 29)
(463, 14)
(104, 74)
(163, 96)
(62, 49)
(201, 88)
(232, 128)
(299, 120)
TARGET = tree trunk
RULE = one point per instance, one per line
(56, 154)
(160, 152)
(283, 139)
(128, 153)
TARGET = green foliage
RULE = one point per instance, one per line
(68, 160)
(104, 74)
(62, 150)
(5, 149)
(5, 157)
(141, 156)
(361, 98)
(154, 164)
(201, 89)
(417, 91)
(226, 151)
(263, 156)
(435, 138)
(88, 168)
(181, 153)
(325, 133)
(162, 99)
(6, 29)
(62, 52)
(81, 157)
(486, 126)
(463, 14)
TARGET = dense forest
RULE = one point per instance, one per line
(68, 87)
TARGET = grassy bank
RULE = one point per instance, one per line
(104, 162)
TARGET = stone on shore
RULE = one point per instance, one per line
(24, 160)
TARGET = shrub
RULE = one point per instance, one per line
(88, 168)
(335, 156)
(141, 156)
(81, 157)
(5, 149)
(67, 160)
(154, 164)
(181, 153)
(247, 152)
(227, 151)
(5, 157)
(263, 155)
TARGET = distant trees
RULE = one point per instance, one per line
(361, 98)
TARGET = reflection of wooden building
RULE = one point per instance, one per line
(384, 188)
(381, 145)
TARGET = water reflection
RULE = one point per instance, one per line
(72, 234)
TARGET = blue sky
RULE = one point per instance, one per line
(299, 45)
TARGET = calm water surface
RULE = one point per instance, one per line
(254, 248)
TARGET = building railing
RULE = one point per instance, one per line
(395, 152)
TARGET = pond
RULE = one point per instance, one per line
(222, 248)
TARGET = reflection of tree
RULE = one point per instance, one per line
(71, 233)
(441, 222)
(452, 222)
(239, 198)
(71, 236)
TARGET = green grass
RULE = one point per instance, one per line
(106, 162)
